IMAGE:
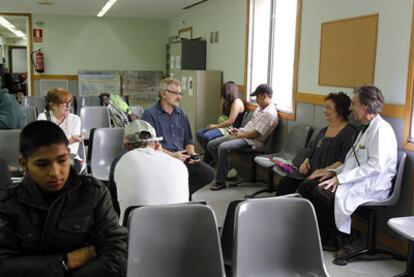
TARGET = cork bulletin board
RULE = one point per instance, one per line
(348, 50)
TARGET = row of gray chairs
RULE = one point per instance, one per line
(298, 138)
(273, 237)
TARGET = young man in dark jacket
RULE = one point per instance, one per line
(56, 223)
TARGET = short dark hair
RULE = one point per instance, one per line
(263, 88)
(342, 103)
(371, 97)
(38, 134)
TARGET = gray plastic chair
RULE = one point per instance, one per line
(297, 139)
(106, 144)
(5, 178)
(405, 227)
(370, 249)
(87, 101)
(31, 114)
(94, 117)
(34, 101)
(9, 146)
(277, 236)
(138, 110)
(179, 240)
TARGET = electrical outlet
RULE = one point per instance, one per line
(216, 36)
(211, 37)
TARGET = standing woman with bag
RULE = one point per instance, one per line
(232, 111)
(58, 110)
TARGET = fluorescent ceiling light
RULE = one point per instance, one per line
(6, 24)
(105, 8)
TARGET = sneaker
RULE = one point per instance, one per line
(218, 186)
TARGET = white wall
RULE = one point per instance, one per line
(394, 31)
(73, 43)
(229, 18)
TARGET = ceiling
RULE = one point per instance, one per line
(18, 21)
(160, 9)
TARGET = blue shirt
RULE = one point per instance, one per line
(174, 128)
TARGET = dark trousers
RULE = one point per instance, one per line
(199, 175)
(288, 185)
(323, 202)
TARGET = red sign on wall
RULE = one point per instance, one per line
(38, 35)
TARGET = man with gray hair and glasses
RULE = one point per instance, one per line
(170, 122)
(365, 176)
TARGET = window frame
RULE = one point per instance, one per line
(248, 49)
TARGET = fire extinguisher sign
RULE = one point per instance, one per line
(37, 35)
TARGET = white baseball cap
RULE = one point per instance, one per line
(133, 131)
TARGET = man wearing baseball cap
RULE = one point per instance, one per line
(146, 175)
(251, 136)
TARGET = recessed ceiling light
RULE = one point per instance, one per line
(106, 7)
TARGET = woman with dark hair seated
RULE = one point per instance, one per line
(232, 111)
(329, 149)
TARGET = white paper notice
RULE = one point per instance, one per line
(184, 83)
(178, 62)
(190, 86)
(172, 62)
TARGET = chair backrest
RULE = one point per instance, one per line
(31, 114)
(106, 144)
(277, 236)
(9, 146)
(396, 183)
(94, 117)
(5, 178)
(88, 101)
(35, 101)
(298, 138)
(179, 240)
(138, 110)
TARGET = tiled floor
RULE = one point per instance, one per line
(219, 200)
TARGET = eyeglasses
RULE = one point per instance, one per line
(177, 93)
(67, 104)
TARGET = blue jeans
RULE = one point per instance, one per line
(204, 136)
(221, 149)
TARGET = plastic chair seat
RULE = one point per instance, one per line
(174, 240)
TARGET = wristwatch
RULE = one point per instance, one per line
(64, 262)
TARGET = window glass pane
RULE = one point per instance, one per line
(283, 53)
(259, 42)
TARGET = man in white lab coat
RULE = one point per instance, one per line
(365, 175)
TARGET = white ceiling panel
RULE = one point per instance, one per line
(161, 9)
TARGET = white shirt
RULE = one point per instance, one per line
(370, 180)
(145, 176)
(71, 126)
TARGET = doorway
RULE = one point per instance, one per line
(15, 50)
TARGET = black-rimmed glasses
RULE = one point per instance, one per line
(178, 93)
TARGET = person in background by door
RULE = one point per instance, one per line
(12, 115)
(232, 111)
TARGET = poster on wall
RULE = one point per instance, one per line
(97, 82)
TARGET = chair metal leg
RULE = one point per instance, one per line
(269, 188)
(410, 261)
(370, 249)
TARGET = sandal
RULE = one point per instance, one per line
(218, 186)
